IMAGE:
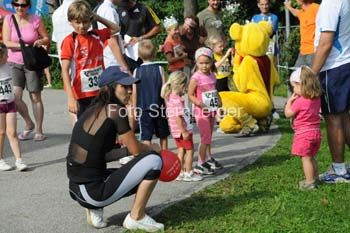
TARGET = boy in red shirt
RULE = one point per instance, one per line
(82, 56)
(173, 48)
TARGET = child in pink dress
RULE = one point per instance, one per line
(204, 96)
(304, 106)
(179, 121)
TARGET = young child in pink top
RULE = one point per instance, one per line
(204, 96)
(304, 106)
(179, 121)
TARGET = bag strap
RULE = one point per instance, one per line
(17, 29)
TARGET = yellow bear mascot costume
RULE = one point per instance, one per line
(255, 76)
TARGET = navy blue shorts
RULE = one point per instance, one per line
(153, 122)
(335, 85)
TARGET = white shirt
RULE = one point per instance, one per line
(107, 11)
(334, 16)
(60, 24)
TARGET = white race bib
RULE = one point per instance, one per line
(271, 48)
(211, 100)
(6, 89)
(89, 79)
(187, 118)
(225, 69)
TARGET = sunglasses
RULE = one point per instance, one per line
(19, 4)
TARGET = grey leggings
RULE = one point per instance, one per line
(119, 183)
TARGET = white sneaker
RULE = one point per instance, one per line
(180, 177)
(191, 176)
(20, 165)
(4, 166)
(94, 217)
(126, 159)
(147, 224)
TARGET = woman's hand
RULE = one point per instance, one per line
(38, 43)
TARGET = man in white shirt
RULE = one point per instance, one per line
(332, 62)
(113, 53)
(60, 24)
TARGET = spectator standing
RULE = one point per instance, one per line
(192, 36)
(204, 96)
(147, 96)
(8, 119)
(82, 56)
(139, 22)
(210, 19)
(307, 18)
(34, 33)
(332, 62)
(113, 52)
(265, 15)
(304, 106)
(173, 48)
(60, 18)
(179, 121)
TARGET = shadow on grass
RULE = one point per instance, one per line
(209, 206)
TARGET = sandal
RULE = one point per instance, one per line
(39, 137)
(25, 135)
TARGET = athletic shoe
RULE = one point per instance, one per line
(307, 186)
(94, 217)
(4, 166)
(330, 177)
(204, 169)
(180, 177)
(20, 165)
(147, 224)
(348, 168)
(126, 159)
(214, 164)
(191, 176)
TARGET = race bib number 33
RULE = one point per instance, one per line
(89, 79)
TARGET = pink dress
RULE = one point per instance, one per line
(306, 125)
(206, 93)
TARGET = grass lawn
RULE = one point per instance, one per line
(264, 197)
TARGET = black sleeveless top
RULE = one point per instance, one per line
(94, 134)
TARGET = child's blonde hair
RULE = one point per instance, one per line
(147, 50)
(214, 40)
(310, 85)
(79, 10)
(176, 82)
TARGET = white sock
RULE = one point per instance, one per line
(339, 168)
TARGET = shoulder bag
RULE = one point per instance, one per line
(35, 58)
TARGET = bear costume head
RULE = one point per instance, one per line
(251, 39)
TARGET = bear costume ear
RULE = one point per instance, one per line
(236, 31)
(266, 26)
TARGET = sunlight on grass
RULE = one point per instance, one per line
(264, 197)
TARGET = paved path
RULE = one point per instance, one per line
(38, 200)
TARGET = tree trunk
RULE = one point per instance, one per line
(190, 7)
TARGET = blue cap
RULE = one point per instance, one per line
(113, 75)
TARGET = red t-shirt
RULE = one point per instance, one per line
(86, 55)
(176, 48)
